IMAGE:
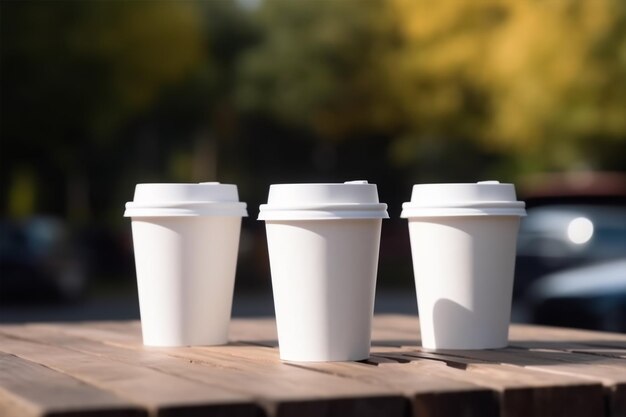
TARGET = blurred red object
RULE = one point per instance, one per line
(574, 184)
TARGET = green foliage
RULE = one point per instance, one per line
(123, 91)
(84, 67)
(74, 74)
(319, 65)
(532, 80)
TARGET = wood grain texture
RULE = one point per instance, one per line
(610, 372)
(590, 355)
(30, 389)
(545, 372)
(279, 388)
(159, 393)
(512, 386)
(521, 392)
(432, 395)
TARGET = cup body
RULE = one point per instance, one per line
(186, 239)
(185, 278)
(324, 280)
(463, 245)
(323, 242)
(464, 279)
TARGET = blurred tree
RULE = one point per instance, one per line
(539, 83)
(105, 94)
(320, 64)
(73, 72)
(551, 76)
(228, 30)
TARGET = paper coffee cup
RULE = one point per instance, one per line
(186, 238)
(463, 244)
(323, 242)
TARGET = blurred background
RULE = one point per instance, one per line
(98, 96)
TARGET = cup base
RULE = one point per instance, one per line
(345, 359)
(172, 344)
(457, 347)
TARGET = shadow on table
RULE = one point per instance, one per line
(395, 342)
(455, 323)
(266, 343)
(510, 355)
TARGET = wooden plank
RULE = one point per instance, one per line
(435, 386)
(440, 396)
(255, 330)
(432, 385)
(260, 331)
(612, 353)
(570, 340)
(430, 395)
(280, 388)
(536, 391)
(539, 393)
(536, 345)
(547, 349)
(521, 335)
(610, 372)
(525, 333)
(160, 393)
(29, 389)
(514, 383)
(522, 392)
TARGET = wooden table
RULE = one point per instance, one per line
(102, 369)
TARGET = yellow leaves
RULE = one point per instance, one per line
(532, 60)
(22, 193)
(542, 74)
(428, 19)
(516, 76)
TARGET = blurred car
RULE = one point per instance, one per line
(573, 220)
(39, 262)
(557, 237)
(592, 297)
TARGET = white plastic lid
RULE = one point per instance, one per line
(485, 198)
(350, 200)
(203, 199)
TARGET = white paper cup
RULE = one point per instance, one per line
(186, 238)
(323, 244)
(463, 241)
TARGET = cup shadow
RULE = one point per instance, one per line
(509, 355)
(255, 342)
(535, 353)
(395, 342)
(519, 353)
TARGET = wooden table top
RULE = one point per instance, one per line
(102, 368)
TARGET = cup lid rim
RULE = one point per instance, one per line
(194, 208)
(459, 199)
(185, 199)
(415, 212)
(324, 212)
